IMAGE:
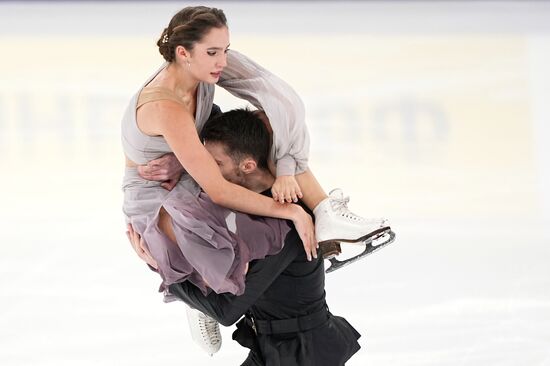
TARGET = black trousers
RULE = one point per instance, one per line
(253, 360)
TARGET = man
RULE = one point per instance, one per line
(286, 321)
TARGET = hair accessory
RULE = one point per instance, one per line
(165, 38)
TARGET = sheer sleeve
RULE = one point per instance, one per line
(247, 80)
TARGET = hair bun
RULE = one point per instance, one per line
(187, 27)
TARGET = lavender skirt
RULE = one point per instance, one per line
(214, 243)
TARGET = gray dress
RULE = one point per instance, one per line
(214, 243)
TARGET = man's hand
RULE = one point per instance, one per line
(166, 169)
(286, 189)
(139, 247)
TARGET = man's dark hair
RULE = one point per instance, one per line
(242, 132)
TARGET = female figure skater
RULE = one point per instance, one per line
(200, 231)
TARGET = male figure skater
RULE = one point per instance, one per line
(287, 321)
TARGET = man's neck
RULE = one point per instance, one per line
(259, 181)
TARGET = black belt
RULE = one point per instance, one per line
(291, 325)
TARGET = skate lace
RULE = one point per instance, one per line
(340, 205)
(210, 330)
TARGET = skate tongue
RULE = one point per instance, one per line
(339, 203)
(337, 193)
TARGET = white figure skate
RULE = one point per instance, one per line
(334, 223)
(205, 331)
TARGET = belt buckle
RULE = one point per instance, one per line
(253, 325)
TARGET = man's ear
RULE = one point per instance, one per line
(248, 165)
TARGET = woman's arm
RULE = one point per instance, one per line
(246, 79)
(177, 126)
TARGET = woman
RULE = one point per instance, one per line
(198, 231)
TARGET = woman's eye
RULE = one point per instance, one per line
(212, 53)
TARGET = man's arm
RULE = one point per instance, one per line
(227, 308)
(166, 169)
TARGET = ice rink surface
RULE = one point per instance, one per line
(433, 114)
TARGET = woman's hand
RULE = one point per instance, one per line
(139, 247)
(304, 226)
(166, 169)
(286, 189)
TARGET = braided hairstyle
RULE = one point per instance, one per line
(187, 27)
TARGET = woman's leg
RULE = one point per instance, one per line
(311, 189)
(165, 225)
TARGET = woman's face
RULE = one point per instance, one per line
(209, 56)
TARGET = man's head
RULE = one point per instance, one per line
(239, 142)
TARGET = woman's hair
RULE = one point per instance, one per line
(188, 26)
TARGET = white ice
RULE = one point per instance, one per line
(433, 114)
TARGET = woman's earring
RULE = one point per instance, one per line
(188, 63)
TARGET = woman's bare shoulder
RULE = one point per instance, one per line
(153, 117)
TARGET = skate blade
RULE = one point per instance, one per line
(335, 264)
(371, 236)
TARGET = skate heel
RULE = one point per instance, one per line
(330, 249)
